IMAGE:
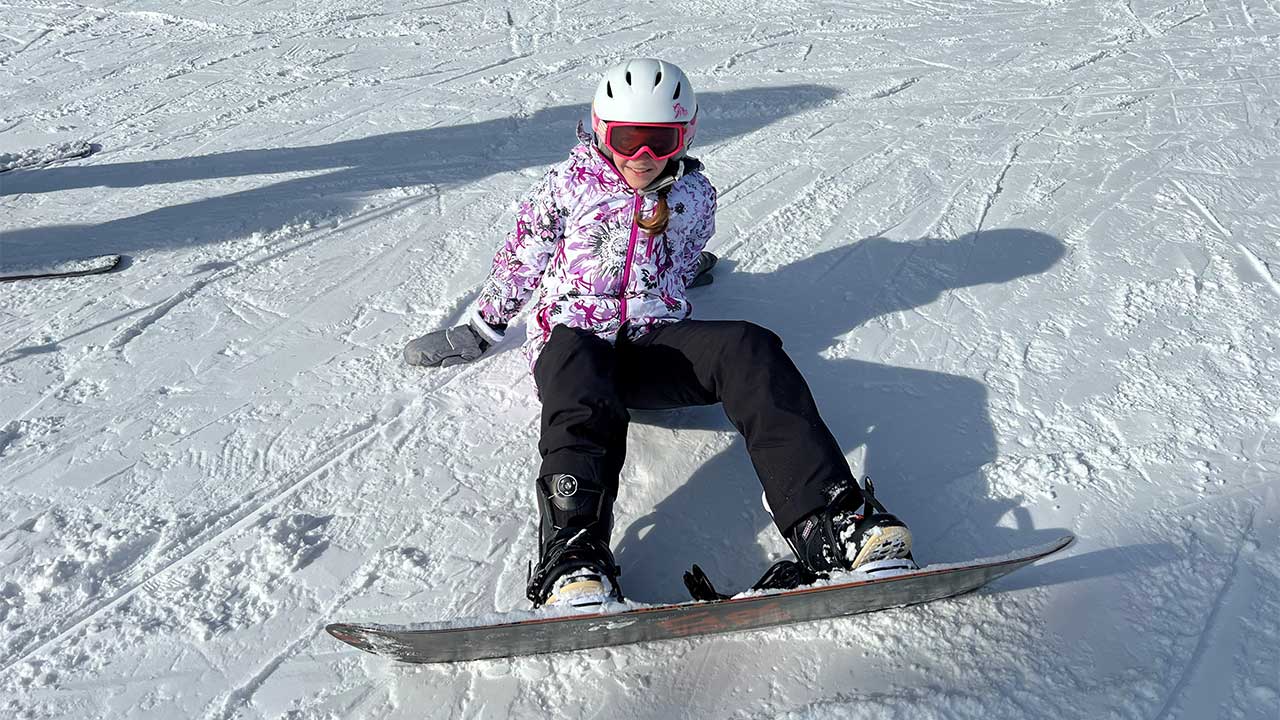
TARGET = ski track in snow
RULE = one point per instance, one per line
(234, 522)
(1026, 255)
(1203, 636)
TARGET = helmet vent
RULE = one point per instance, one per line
(658, 80)
(677, 95)
(628, 77)
(608, 89)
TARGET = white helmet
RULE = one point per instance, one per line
(646, 90)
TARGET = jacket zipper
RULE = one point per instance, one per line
(626, 269)
(631, 243)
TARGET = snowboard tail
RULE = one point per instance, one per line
(535, 633)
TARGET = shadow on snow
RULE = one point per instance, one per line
(925, 435)
(339, 176)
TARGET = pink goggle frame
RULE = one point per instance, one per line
(637, 143)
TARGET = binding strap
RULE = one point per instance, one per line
(782, 575)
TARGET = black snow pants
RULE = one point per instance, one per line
(587, 384)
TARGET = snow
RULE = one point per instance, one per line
(35, 157)
(1025, 253)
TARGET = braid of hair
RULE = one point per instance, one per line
(656, 224)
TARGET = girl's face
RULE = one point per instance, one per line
(641, 171)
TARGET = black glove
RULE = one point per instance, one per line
(443, 348)
(702, 274)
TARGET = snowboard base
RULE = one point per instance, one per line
(546, 630)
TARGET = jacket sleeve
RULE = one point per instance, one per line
(700, 232)
(519, 263)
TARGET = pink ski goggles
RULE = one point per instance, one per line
(628, 140)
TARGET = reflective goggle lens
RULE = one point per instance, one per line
(627, 140)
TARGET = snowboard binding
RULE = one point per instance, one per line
(575, 566)
(835, 537)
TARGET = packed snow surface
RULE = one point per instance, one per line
(1026, 253)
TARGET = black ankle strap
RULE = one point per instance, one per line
(869, 502)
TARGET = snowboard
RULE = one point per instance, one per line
(547, 630)
(61, 268)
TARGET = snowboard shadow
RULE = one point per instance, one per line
(924, 435)
(340, 176)
(1099, 563)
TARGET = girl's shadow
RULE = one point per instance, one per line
(925, 435)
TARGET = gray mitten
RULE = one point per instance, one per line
(443, 348)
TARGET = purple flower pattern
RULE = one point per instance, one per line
(569, 247)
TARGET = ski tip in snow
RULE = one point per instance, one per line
(50, 155)
(61, 268)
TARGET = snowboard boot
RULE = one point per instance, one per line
(575, 566)
(834, 538)
(839, 537)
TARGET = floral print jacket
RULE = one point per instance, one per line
(577, 244)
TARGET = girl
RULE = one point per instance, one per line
(610, 240)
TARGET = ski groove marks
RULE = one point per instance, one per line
(893, 90)
(1146, 27)
(358, 582)
(1262, 269)
(1100, 55)
(485, 68)
(1201, 208)
(734, 58)
(998, 187)
(256, 256)
(244, 515)
(240, 696)
(1202, 637)
(137, 327)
